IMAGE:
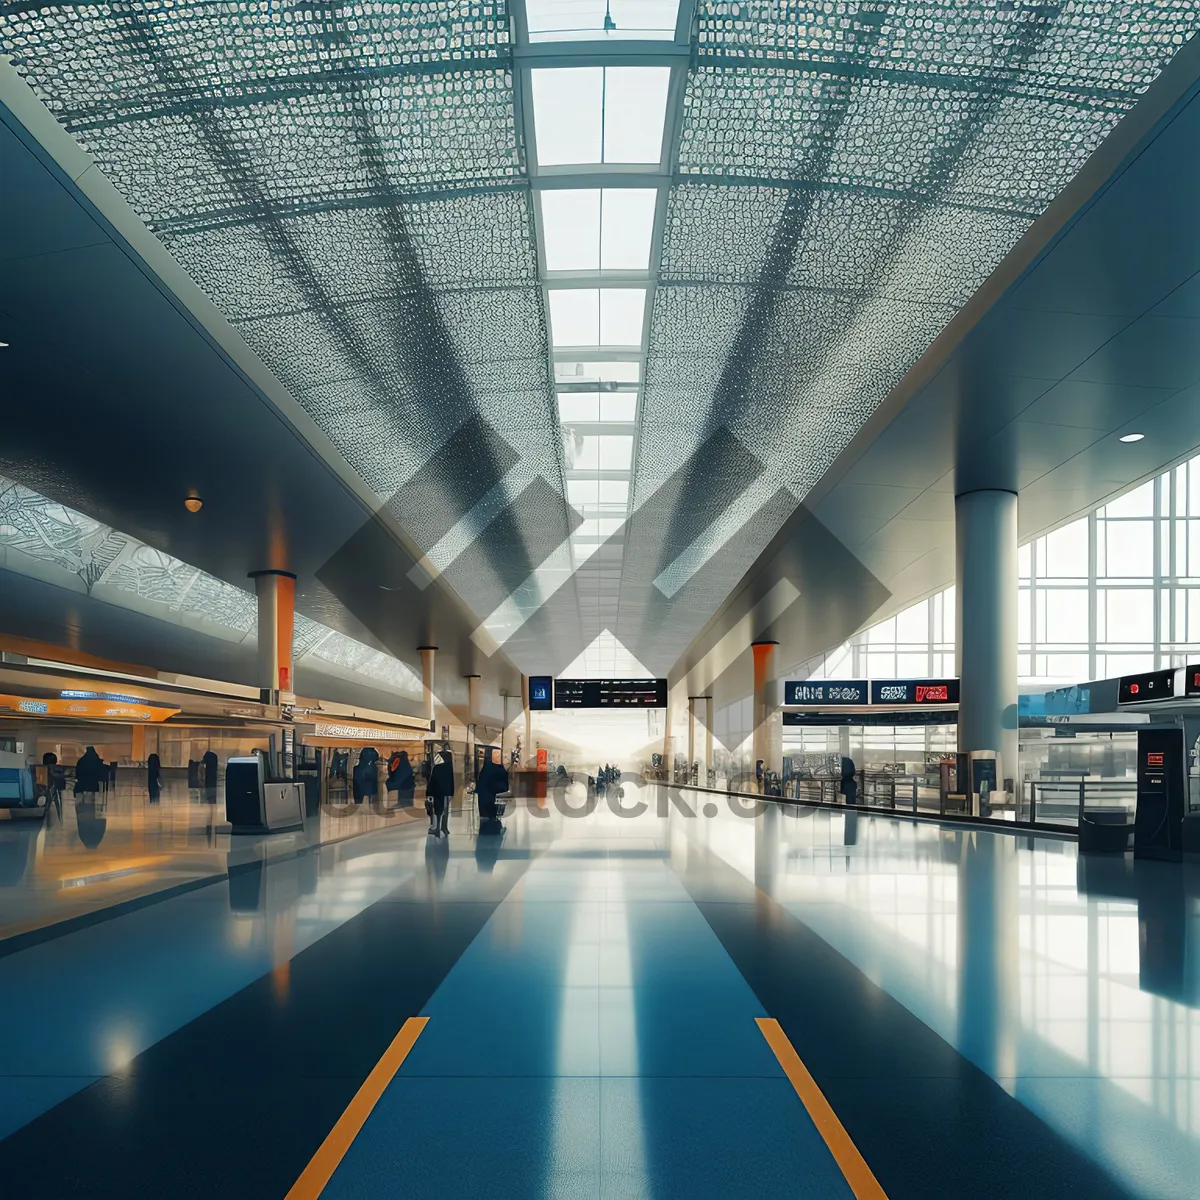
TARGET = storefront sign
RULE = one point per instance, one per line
(914, 691)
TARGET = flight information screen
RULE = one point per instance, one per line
(610, 693)
(825, 691)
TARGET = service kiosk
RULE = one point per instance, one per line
(254, 803)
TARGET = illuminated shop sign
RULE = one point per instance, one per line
(914, 691)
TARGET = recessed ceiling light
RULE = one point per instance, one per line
(1132, 437)
(193, 504)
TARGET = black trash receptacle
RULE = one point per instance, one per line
(1102, 832)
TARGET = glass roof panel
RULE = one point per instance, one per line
(626, 228)
(568, 114)
(635, 111)
(618, 406)
(578, 406)
(597, 372)
(621, 314)
(571, 229)
(583, 20)
(574, 316)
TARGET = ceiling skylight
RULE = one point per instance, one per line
(621, 313)
(592, 115)
(606, 452)
(597, 316)
(626, 228)
(591, 494)
(571, 229)
(583, 20)
(597, 372)
(617, 408)
(586, 229)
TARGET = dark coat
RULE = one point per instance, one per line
(493, 779)
(401, 778)
(441, 778)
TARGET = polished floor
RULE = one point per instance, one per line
(122, 849)
(986, 1014)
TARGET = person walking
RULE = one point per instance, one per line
(154, 778)
(439, 791)
(492, 780)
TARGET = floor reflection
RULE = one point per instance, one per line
(1072, 981)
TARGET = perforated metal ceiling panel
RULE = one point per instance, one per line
(348, 183)
(847, 176)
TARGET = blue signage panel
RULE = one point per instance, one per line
(541, 693)
(825, 691)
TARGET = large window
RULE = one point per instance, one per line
(1113, 592)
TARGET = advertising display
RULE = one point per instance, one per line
(914, 691)
(610, 693)
(541, 693)
(825, 691)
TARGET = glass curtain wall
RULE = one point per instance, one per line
(1112, 593)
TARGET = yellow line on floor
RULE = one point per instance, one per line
(333, 1149)
(858, 1175)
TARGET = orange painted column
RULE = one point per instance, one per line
(768, 732)
(276, 592)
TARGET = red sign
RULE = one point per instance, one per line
(1154, 758)
(932, 693)
(543, 757)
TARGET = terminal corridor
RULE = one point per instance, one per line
(600, 598)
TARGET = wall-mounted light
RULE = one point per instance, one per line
(1132, 437)
(193, 504)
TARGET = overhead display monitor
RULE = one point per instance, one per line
(541, 693)
(825, 691)
(610, 693)
(1191, 677)
(914, 691)
(1150, 685)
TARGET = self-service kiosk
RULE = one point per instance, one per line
(254, 805)
(1158, 823)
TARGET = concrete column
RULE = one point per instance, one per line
(427, 655)
(473, 685)
(708, 736)
(691, 758)
(276, 593)
(528, 720)
(768, 729)
(669, 739)
(986, 625)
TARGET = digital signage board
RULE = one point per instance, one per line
(610, 693)
(541, 693)
(825, 691)
(914, 691)
(1150, 685)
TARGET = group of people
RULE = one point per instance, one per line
(490, 783)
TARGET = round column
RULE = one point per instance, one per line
(427, 655)
(276, 595)
(768, 732)
(986, 625)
